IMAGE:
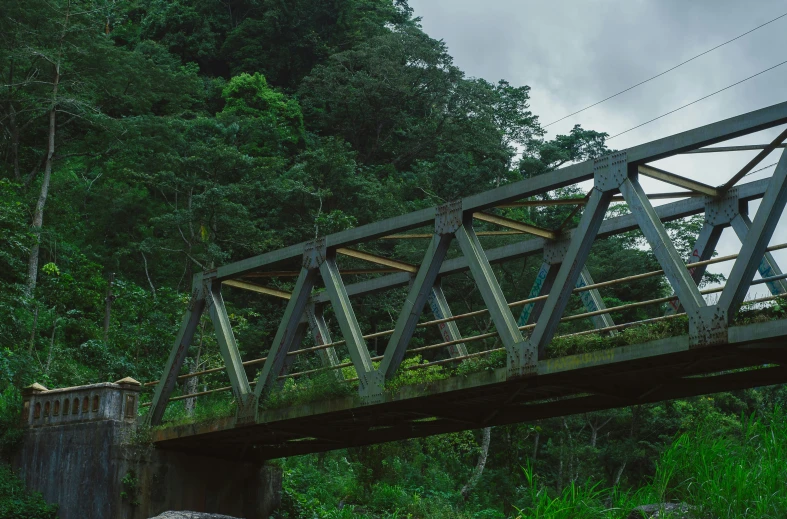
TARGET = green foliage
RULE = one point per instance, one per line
(130, 485)
(11, 430)
(17, 503)
(194, 133)
(408, 374)
(726, 476)
(206, 409)
(302, 390)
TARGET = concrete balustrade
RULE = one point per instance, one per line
(106, 401)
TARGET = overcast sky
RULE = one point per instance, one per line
(573, 53)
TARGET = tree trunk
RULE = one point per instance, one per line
(190, 404)
(38, 215)
(108, 306)
(14, 139)
(535, 446)
(479, 468)
(33, 333)
(618, 474)
(51, 346)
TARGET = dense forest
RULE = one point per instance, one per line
(146, 140)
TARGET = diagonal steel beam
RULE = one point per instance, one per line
(703, 250)
(677, 180)
(488, 286)
(372, 258)
(288, 328)
(545, 278)
(756, 241)
(756, 160)
(178, 353)
(570, 268)
(228, 347)
(620, 224)
(268, 291)
(414, 304)
(662, 246)
(673, 145)
(521, 358)
(517, 226)
(322, 335)
(289, 360)
(449, 330)
(768, 267)
(348, 324)
(592, 301)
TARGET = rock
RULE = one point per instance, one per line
(191, 515)
(654, 511)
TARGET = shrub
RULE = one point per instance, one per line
(17, 503)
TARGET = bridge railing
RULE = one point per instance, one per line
(615, 177)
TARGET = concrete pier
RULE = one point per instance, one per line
(82, 451)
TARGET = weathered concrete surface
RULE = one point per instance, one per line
(91, 471)
(79, 452)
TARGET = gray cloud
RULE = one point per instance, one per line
(573, 53)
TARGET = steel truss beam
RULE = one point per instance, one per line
(727, 211)
(618, 225)
(178, 353)
(755, 243)
(449, 330)
(591, 299)
(673, 145)
(677, 180)
(615, 173)
(228, 347)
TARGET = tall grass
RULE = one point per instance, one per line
(718, 475)
(729, 476)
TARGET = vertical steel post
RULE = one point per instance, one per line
(178, 353)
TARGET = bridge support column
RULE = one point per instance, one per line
(83, 451)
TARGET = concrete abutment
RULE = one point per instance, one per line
(81, 451)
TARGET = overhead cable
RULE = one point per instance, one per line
(698, 100)
(666, 71)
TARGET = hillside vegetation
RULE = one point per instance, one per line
(146, 140)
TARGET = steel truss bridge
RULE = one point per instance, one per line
(713, 356)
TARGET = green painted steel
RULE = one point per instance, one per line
(414, 303)
(285, 335)
(228, 347)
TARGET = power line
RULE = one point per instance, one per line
(666, 71)
(698, 100)
(762, 168)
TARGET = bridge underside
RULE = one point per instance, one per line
(756, 355)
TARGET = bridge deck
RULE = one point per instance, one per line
(654, 371)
